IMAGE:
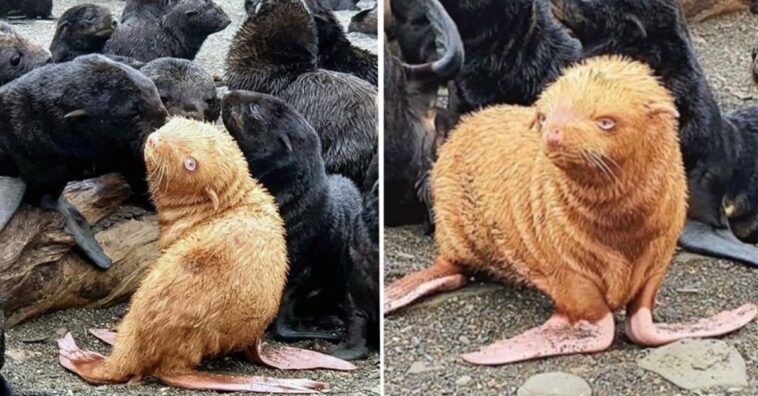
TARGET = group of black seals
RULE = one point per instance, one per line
(60, 127)
(27, 8)
(276, 52)
(328, 243)
(719, 151)
(18, 55)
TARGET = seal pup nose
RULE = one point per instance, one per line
(554, 138)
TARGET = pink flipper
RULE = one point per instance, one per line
(555, 337)
(80, 362)
(104, 335)
(441, 276)
(641, 329)
(289, 358)
(205, 381)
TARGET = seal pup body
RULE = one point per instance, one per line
(59, 129)
(340, 107)
(283, 152)
(146, 8)
(656, 32)
(82, 29)
(582, 196)
(18, 55)
(32, 9)
(219, 279)
(186, 89)
(178, 33)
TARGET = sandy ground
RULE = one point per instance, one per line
(434, 333)
(31, 365)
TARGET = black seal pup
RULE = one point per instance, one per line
(365, 22)
(340, 107)
(186, 89)
(283, 152)
(32, 9)
(75, 120)
(18, 55)
(362, 297)
(82, 29)
(656, 32)
(410, 136)
(179, 33)
(335, 52)
(146, 8)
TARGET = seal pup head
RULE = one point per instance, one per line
(269, 130)
(18, 55)
(190, 163)
(604, 116)
(84, 27)
(186, 89)
(201, 16)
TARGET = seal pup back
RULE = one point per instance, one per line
(218, 282)
(582, 196)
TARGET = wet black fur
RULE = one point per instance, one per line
(47, 150)
(18, 55)
(335, 52)
(179, 33)
(284, 154)
(146, 8)
(514, 48)
(28, 8)
(82, 29)
(275, 52)
(186, 89)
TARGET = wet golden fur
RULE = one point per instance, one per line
(218, 282)
(589, 223)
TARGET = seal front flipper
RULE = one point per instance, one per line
(77, 225)
(85, 364)
(289, 358)
(701, 238)
(104, 335)
(205, 381)
(11, 193)
(558, 336)
(441, 276)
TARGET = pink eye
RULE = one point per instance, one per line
(606, 124)
(190, 164)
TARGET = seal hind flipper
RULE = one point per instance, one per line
(11, 193)
(77, 225)
(104, 335)
(289, 358)
(80, 362)
(205, 381)
(441, 276)
(283, 331)
(701, 238)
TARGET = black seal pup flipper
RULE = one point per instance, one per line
(11, 193)
(77, 225)
(703, 239)
(5, 388)
(354, 347)
(284, 330)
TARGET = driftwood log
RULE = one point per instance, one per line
(699, 10)
(40, 269)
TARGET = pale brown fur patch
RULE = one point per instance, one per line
(589, 234)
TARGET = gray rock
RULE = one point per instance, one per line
(555, 384)
(419, 367)
(698, 364)
(463, 381)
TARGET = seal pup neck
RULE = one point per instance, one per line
(195, 172)
(276, 43)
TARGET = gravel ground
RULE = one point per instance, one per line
(431, 335)
(32, 365)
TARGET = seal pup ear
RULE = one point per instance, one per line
(655, 108)
(214, 198)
